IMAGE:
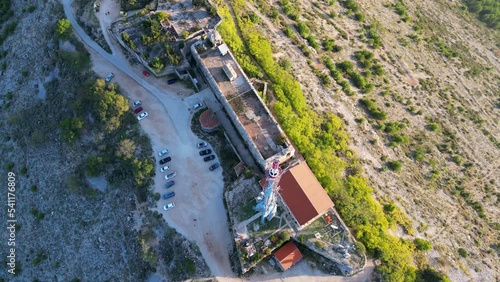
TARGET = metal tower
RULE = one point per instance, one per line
(266, 200)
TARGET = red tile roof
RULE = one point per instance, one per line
(303, 193)
(208, 119)
(288, 255)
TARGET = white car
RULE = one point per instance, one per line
(201, 145)
(163, 152)
(165, 168)
(197, 105)
(137, 104)
(169, 206)
(142, 116)
(110, 76)
(170, 175)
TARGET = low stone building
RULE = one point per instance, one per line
(287, 256)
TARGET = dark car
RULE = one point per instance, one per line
(138, 110)
(214, 166)
(208, 158)
(168, 195)
(145, 73)
(165, 160)
(205, 152)
(170, 184)
(172, 81)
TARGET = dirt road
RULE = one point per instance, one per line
(199, 213)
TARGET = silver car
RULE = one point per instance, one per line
(170, 175)
(110, 76)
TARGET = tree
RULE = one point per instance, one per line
(126, 149)
(95, 165)
(162, 16)
(71, 129)
(63, 28)
(157, 64)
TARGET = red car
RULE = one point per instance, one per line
(137, 110)
(145, 73)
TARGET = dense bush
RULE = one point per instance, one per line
(157, 64)
(8, 30)
(373, 38)
(63, 28)
(128, 5)
(71, 129)
(126, 38)
(395, 165)
(487, 11)
(422, 245)
(462, 252)
(372, 109)
(429, 274)
(5, 11)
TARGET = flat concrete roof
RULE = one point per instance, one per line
(251, 113)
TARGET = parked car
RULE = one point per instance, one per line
(197, 105)
(170, 184)
(138, 110)
(169, 206)
(170, 175)
(205, 152)
(137, 103)
(142, 116)
(110, 76)
(214, 166)
(208, 158)
(201, 145)
(145, 73)
(165, 168)
(172, 81)
(165, 160)
(163, 152)
(168, 195)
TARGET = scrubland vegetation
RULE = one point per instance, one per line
(323, 141)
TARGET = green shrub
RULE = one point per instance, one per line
(372, 109)
(9, 166)
(63, 28)
(429, 274)
(433, 126)
(457, 159)
(395, 165)
(462, 252)
(71, 129)
(360, 17)
(422, 245)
